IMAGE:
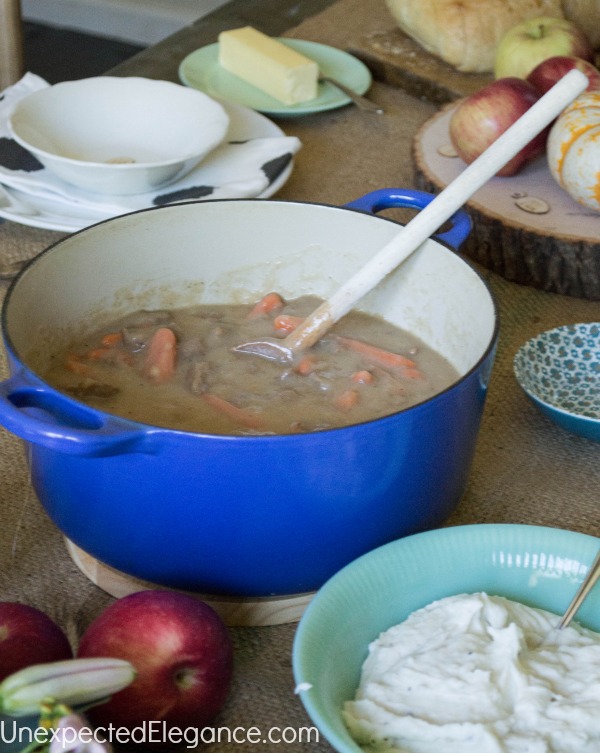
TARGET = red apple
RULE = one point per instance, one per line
(28, 636)
(478, 120)
(536, 39)
(551, 70)
(182, 654)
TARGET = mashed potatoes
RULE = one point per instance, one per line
(479, 673)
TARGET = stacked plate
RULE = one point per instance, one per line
(251, 158)
(45, 164)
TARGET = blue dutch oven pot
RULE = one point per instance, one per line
(246, 516)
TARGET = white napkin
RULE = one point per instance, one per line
(233, 170)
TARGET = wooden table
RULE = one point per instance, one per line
(526, 470)
(11, 42)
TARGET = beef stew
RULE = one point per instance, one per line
(177, 369)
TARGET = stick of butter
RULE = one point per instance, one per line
(271, 66)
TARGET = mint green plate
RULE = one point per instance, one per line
(540, 567)
(201, 70)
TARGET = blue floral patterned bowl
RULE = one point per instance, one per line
(560, 371)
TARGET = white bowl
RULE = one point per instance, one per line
(118, 135)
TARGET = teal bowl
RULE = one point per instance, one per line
(540, 567)
(559, 370)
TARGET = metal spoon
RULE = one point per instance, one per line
(362, 102)
(426, 222)
(588, 583)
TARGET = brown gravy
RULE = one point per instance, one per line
(176, 369)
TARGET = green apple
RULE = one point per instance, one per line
(530, 42)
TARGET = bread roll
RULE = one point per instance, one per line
(586, 14)
(465, 33)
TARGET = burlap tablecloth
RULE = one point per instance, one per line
(526, 469)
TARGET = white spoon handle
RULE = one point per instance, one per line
(441, 208)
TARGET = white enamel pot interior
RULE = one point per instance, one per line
(232, 251)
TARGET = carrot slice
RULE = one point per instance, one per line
(347, 399)
(159, 364)
(111, 339)
(411, 373)
(305, 365)
(286, 322)
(98, 354)
(75, 364)
(362, 377)
(239, 415)
(267, 305)
(376, 355)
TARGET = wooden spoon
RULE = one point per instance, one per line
(424, 224)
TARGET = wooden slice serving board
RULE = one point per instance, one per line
(247, 612)
(525, 227)
(396, 59)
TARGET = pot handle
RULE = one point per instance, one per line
(39, 415)
(386, 198)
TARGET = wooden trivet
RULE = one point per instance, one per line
(247, 612)
(525, 227)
